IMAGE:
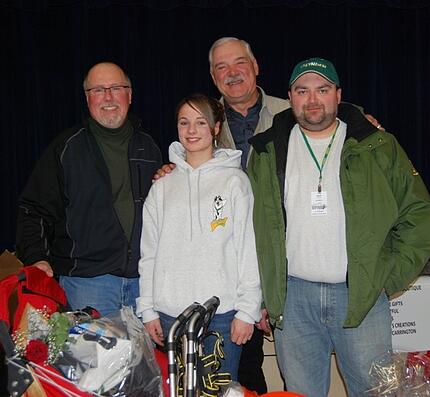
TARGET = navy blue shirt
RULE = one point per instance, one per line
(242, 127)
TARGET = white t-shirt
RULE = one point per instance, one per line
(316, 244)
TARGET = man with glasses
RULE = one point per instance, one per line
(80, 212)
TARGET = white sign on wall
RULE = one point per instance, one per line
(410, 316)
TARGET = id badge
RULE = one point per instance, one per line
(319, 203)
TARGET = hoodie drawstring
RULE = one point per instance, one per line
(190, 203)
(198, 202)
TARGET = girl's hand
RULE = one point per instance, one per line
(241, 331)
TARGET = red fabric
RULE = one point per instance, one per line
(163, 363)
(419, 359)
(282, 394)
(38, 282)
(7, 286)
(249, 393)
(60, 383)
(38, 290)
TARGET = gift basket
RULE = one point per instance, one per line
(401, 374)
(52, 352)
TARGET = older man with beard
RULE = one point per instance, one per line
(80, 212)
(341, 222)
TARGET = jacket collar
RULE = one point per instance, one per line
(262, 97)
(358, 127)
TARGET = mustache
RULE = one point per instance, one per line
(313, 106)
(112, 103)
(233, 79)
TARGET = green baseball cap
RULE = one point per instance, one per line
(315, 65)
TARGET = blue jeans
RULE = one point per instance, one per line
(105, 293)
(222, 324)
(313, 327)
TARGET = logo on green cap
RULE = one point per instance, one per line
(315, 65)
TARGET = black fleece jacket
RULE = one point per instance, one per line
(66, 214)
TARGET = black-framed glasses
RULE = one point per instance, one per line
(114, 90)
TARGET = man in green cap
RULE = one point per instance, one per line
(341, 221)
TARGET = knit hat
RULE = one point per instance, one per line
(315, 65)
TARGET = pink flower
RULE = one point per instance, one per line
(36, 351)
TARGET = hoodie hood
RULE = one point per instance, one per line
(226, 158)
(223, 159)
(198, 236)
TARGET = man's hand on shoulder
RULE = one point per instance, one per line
(374, 122)
(163, 171)
(44, 266)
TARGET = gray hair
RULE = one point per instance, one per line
(85, 82)
(223, 40)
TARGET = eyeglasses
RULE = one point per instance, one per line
(100, 91)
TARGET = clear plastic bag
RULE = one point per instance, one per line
(400, 375)
(112, 356)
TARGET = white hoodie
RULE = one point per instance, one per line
(198, 239)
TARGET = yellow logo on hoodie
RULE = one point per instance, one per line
(218, 208)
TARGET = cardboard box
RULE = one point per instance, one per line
(10, 264)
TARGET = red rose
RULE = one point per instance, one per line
(36, 351)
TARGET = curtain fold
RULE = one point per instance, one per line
(381, 50)
(32, 6)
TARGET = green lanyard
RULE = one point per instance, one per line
(324, 160)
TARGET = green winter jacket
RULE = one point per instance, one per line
(387, 210)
